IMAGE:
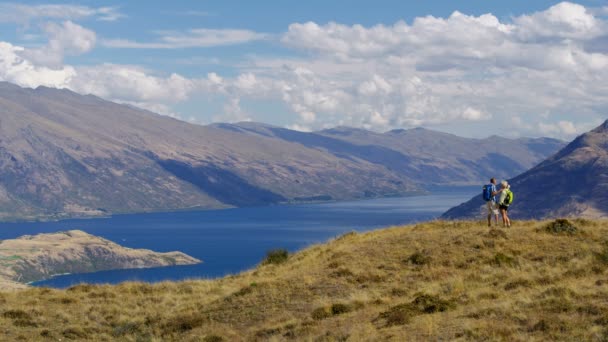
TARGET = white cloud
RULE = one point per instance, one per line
(473, 114)
(565, 20)
(120, 83)
(189, 39)
(539, 73)
(561, 127)
(442, 70)
(67, 38)
(232, 112)
(130, 83)
(16, 69)
(24, 14)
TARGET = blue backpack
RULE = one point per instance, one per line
(487, 192)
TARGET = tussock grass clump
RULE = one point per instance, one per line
(561, 226)
(342, 273)
(182, 323)
(602, 256)
(501, 259)
(276, 256)
(16, 314)
(74, 333)
(127, 328)
(512, 285)
(497, 234)
(321, 313)
(20, 318)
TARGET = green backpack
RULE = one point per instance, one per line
(508, 198)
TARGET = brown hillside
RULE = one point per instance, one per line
(433, 281)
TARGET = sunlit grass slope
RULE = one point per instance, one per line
(432, 281)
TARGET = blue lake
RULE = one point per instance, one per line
(233, 240)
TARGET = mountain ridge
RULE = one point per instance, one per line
(64, 155)
(572, 182)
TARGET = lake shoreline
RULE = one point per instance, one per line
(233, 240)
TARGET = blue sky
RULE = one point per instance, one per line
(473, 68)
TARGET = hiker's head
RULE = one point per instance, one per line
(504, 184)
(493, 180)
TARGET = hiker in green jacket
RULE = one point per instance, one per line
(506, 197)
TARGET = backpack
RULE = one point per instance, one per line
(508, 198)
(487, 192)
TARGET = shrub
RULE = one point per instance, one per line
(213, 338)
(276, 256)
(339, 308)
(561, 226)
(420, 258)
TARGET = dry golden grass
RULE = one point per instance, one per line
(432, 281)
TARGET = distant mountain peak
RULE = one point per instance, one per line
(601, 128)
(403, 130)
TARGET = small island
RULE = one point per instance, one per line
(36, 257)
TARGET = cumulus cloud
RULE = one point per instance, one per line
(64, 39)
(131, 83)
(539, 73)
(121, 83)
(14, 68)
(189, 39)
(565, 20)
(455, 69)
(561, 127)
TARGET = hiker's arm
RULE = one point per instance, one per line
(497, 192)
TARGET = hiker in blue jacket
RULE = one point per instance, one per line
(489, 194)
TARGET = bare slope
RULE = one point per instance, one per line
(573, 182)
(63, 154)
(425, 156)
(31, 258)
(432, 281)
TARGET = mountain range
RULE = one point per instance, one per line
(573, 182)
(63, 154)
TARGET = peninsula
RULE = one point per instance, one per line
(36, 257)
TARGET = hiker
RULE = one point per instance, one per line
(489, 195)
(506, 197)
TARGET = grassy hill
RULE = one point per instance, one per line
(438, 280)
